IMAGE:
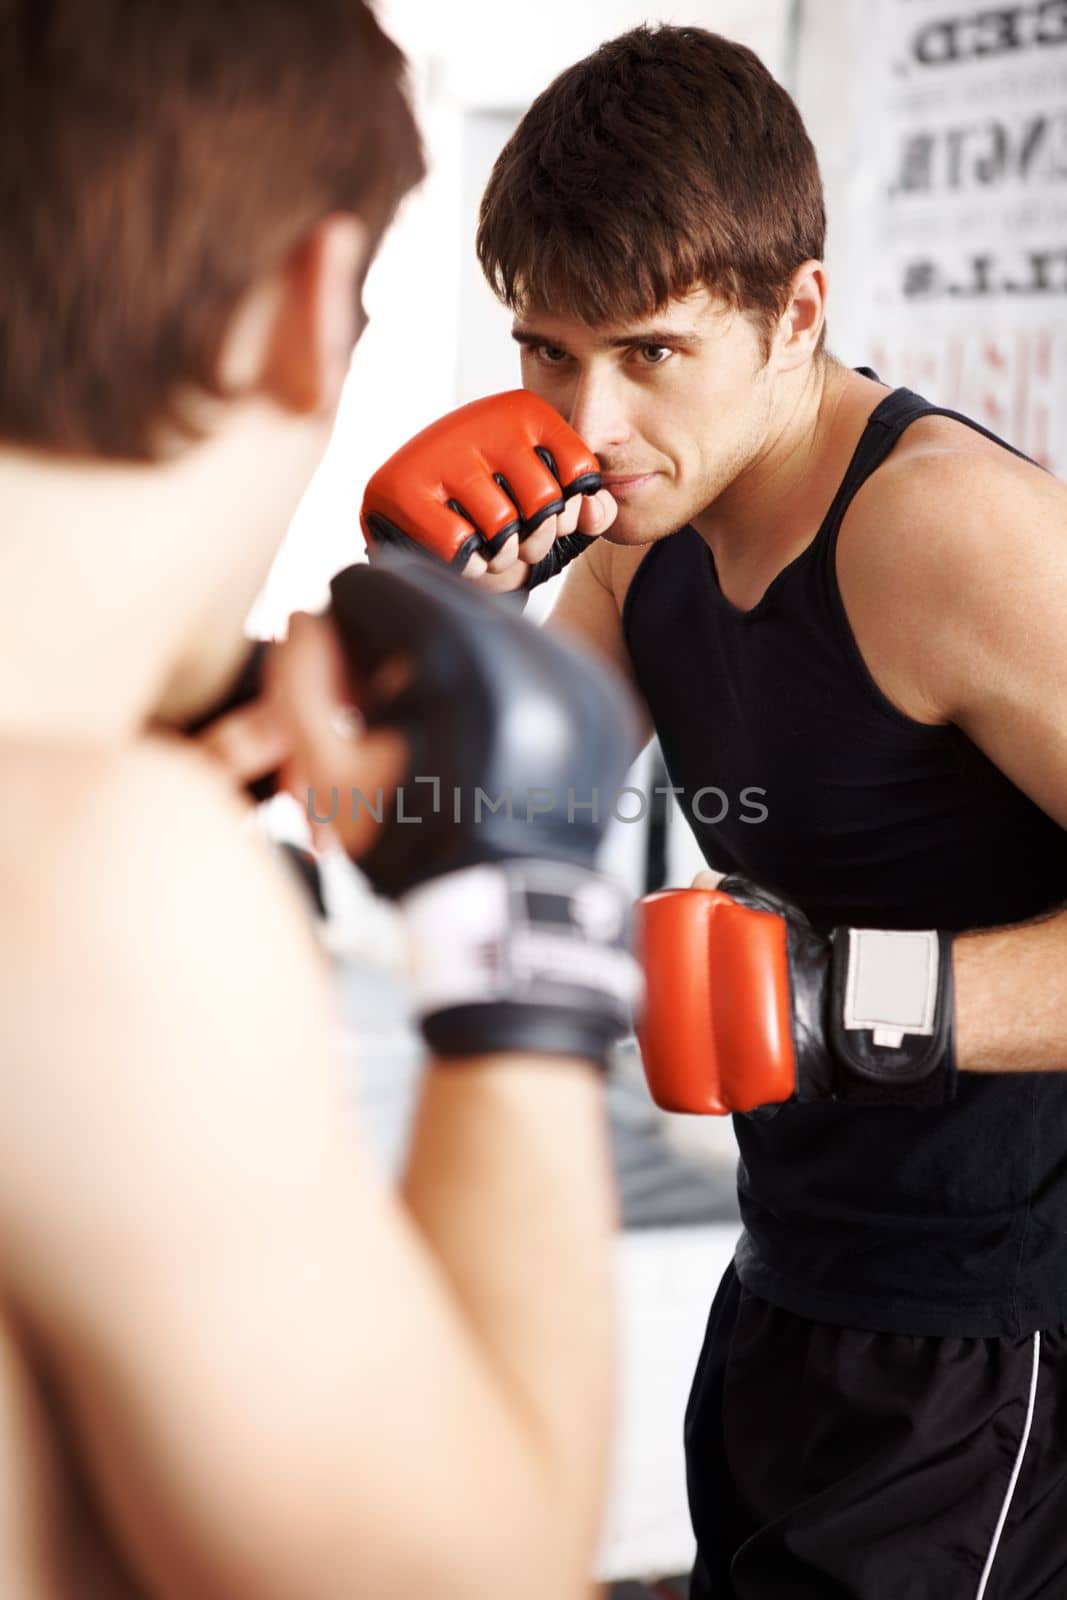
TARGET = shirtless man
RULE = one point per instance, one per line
(854, 602)
(234, 1363)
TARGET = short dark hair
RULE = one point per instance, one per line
(667, 160)
(156, 159)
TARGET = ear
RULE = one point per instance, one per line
(802, 323)
(315, 317)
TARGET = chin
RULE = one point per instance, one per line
(634, 530)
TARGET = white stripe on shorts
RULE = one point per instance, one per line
(999, 1529)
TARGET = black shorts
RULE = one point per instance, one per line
(827, 1462)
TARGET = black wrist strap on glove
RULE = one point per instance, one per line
(521, 955)
(566, 547)
(872, 1009)
(891, 1016)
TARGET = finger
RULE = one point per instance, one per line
(567, 521)
(537, 546)
(507, 556)
(310, 687)
(475, 568)
(507, 582)
(332, 758)
(707, 879)
(294, 779)
(344, 806)
(597, 512)
(249, 742)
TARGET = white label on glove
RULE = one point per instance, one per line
(510, 932)
(892, 983)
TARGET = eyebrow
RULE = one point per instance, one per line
(685, 339)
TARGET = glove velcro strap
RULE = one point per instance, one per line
(565, 549)
(891, 1017)
(521, 955)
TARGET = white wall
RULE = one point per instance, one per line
(835, 56)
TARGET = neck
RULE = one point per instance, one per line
(124, 588)
(764, 517)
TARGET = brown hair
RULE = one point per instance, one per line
(667, 160)
(156, 159)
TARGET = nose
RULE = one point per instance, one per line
(598, 415)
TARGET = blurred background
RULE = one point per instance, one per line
(941, 129)
(941, 133)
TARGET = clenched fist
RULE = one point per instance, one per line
(502, 490)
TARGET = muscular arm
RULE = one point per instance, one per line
(1011, 998)
(972, 568)
(285, 1382)
(587, 607)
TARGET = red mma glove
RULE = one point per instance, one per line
(747, 1006)
(464, 485)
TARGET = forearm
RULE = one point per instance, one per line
(1011, 998)
(509, 1180)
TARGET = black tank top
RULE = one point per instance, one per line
(951, 1221)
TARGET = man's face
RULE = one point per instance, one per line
(675, 406)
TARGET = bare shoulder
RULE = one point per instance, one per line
(92, 840)
(589, 605)
(146, 934)
(946, 529)
(943, 490)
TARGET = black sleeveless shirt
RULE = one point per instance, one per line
(798, 772)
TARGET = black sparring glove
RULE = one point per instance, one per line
(518, 743)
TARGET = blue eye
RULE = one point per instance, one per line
(660, 353)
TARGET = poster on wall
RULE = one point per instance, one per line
(969, 252)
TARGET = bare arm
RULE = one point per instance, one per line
(1011, 998)
(509, 1182)
(285, 1383)
(999, 670)
(586, 607)
(972, 570)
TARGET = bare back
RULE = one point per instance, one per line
(76, 826)
(232, 1355)
(54, 1542)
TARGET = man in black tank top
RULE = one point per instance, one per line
(844, 608)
